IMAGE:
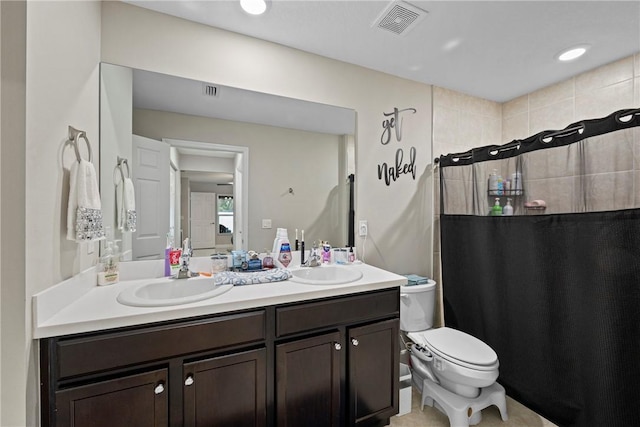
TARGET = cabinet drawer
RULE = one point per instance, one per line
(337, 311)
(83, 355)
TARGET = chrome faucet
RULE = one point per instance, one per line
(184, 272)
(314, 259)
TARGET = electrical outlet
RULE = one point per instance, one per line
(363, 228)
(266, 223)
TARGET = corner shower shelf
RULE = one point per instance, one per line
(505, 193)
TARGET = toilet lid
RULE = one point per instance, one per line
(457, 347)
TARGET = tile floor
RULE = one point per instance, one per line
(519, 416)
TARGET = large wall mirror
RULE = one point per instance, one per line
(223, 166)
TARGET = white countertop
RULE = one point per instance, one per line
(78, 305)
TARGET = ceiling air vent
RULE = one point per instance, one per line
(209, 90)
(399, 17)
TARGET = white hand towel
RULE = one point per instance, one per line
(84, 214)
(126, 205)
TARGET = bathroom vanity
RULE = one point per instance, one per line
(264, 355)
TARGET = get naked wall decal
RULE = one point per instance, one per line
(393, 121)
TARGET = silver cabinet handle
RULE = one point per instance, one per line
(355, 342)
(189, 380)
(337, 346)
(159, 388)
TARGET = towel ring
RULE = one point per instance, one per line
(74, 137)
(122, 162)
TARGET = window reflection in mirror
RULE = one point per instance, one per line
(225, 214)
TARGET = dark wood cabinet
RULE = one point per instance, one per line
(354, 367)
(325, 362)
(308, 377)
(373, 372)
(136, 400)
(228, 390)
(138, 376)
(308, 381)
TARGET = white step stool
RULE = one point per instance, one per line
(463, 411)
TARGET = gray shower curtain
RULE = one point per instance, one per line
(555, 288)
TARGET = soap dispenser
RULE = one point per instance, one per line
(497, 209)
(108, 272)
(508, 209)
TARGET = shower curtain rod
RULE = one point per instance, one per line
(621, 119)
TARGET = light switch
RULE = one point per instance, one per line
(266, 223)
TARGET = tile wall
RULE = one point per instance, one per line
(461, 122)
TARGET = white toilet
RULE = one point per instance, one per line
(454, 371)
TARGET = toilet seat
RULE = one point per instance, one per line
(458, 348)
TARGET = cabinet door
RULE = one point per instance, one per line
(226, 391)
(137, 400)
(373, 372)
(308, 382)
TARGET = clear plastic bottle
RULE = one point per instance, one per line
(108, 271)
(516, 183)
(500, 186)
(493, 183)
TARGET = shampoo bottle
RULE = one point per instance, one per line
(497, 209)
(493, 183)
(282, 249)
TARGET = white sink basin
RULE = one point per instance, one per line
(326, 275)
(165, 292)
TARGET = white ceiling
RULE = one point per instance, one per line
(497, 50)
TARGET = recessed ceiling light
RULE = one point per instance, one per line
(451, 44)
(573, 53)
(254, 7)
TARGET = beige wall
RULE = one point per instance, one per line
(590, 95)
(14, 346)
(596, 93)
(279, 159)
(399, 216)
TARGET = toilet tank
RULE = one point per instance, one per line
(417, 303)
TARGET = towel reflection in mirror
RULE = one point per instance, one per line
(125, 198)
